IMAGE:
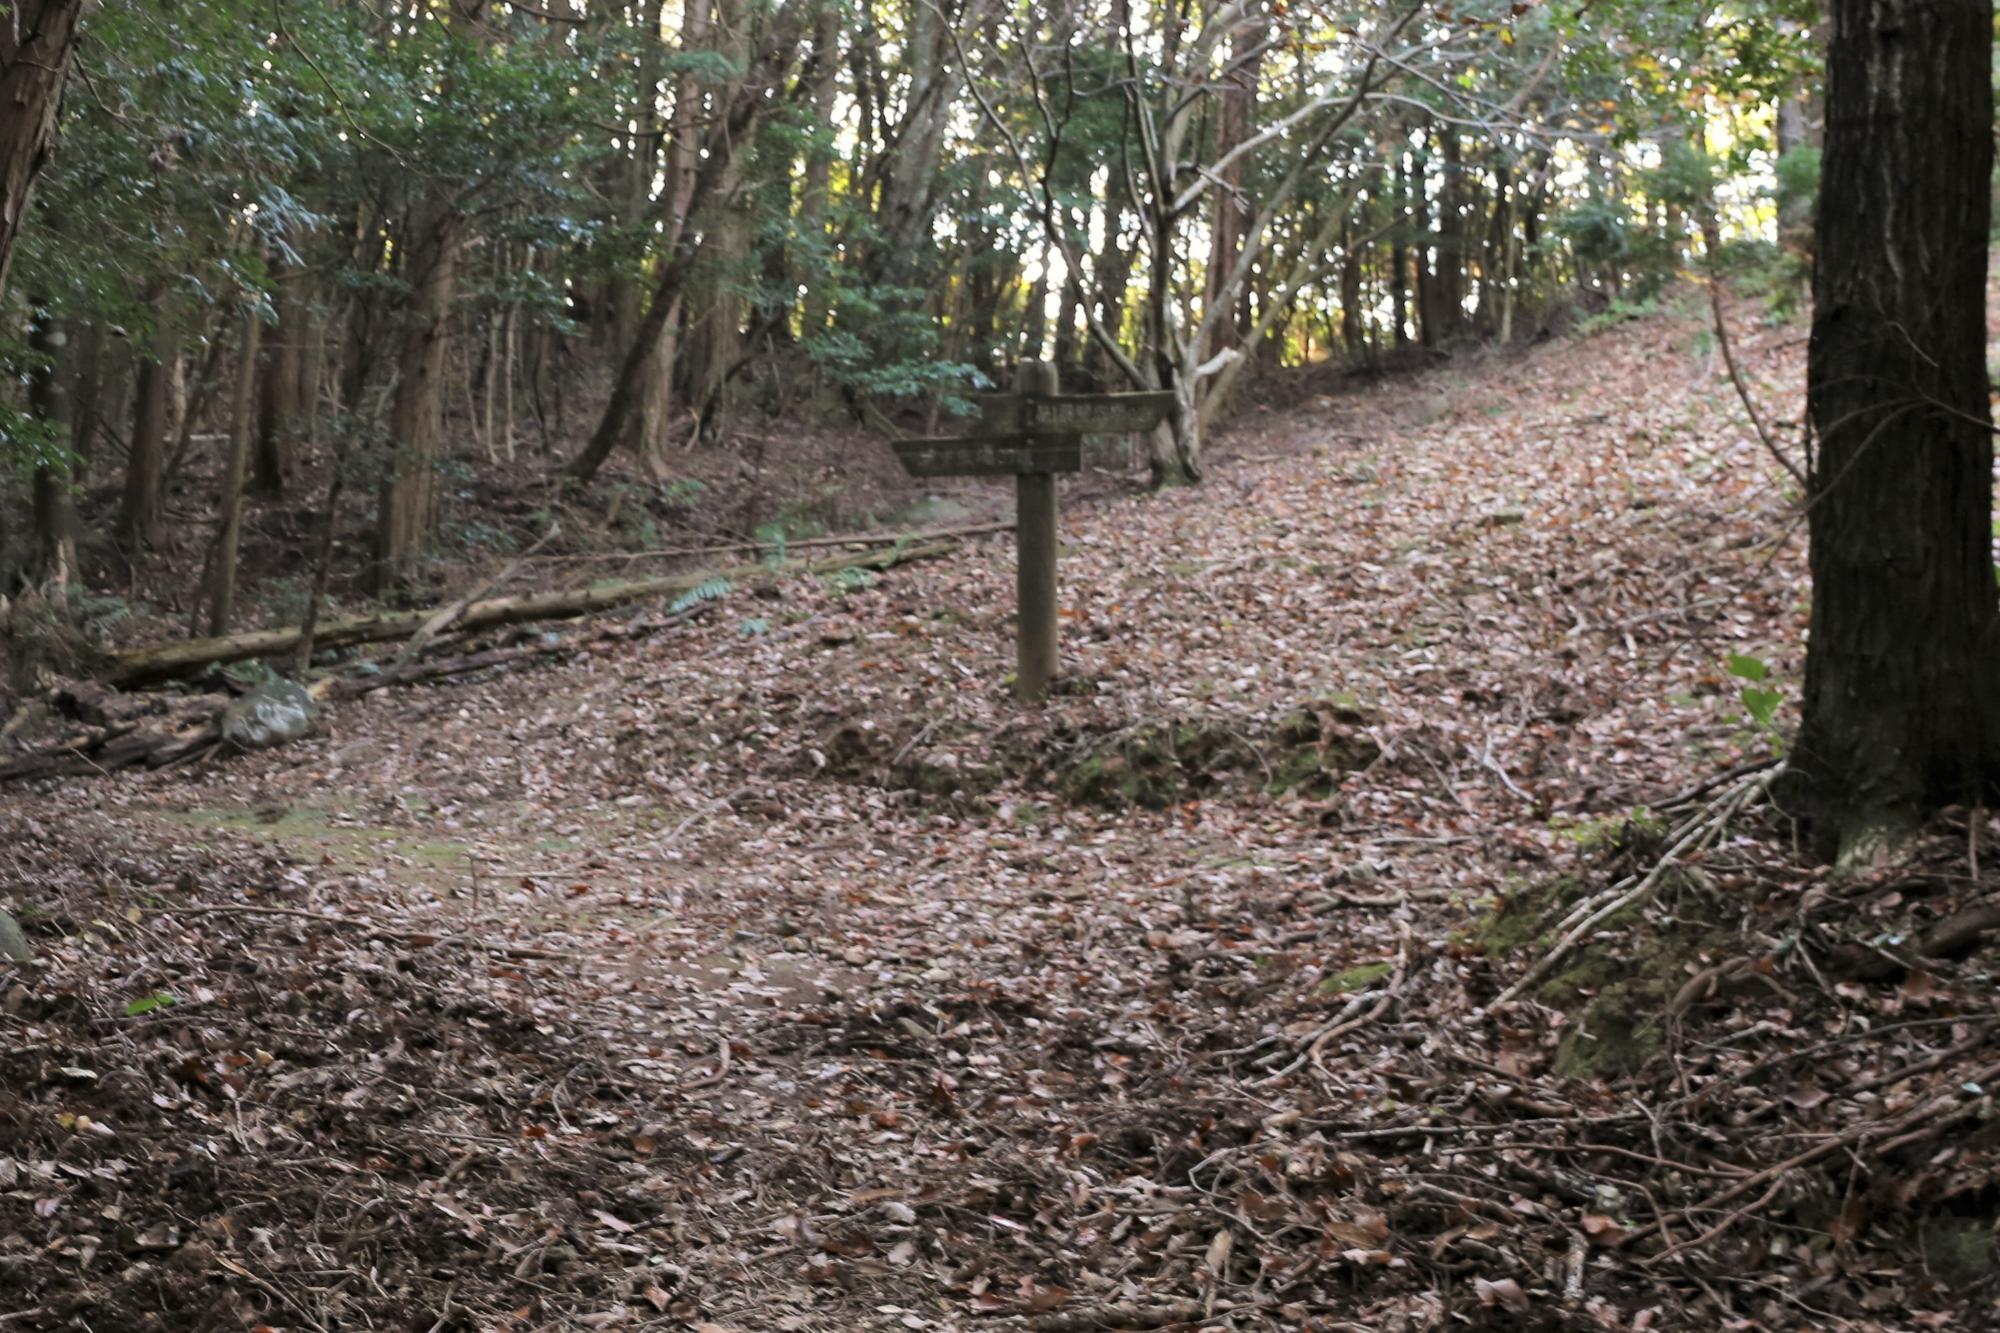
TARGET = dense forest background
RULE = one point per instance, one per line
(347, 273)
(1493, 825)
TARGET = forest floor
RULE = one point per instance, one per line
(776, 971)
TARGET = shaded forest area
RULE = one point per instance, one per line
(518, 812)
(399, 278)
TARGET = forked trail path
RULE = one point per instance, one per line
(780, 972)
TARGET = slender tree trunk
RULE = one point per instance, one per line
(628, 288)
(1350, 294)
(817, 190)
(1234, 105)
(53, 563)
(629, 391)
(711, 336)
(278, 407)
(87, 398)
(1449, 307)
(139, 519)
(1899, 714)
(1399, 252)
(36, 40)
(243, 427)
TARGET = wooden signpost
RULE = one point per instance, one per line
(1031, 435)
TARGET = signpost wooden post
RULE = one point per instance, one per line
(1031, 435)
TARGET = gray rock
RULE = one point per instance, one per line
(13, 944)
(274, 713)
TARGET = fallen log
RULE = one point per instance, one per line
(170, 661)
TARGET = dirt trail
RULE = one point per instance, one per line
(779, 972)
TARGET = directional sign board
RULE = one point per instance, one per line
(990, 455)
(1031, 435)
(1074, 413)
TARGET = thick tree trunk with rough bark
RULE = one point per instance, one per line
(408, 504)
(36, 39)
(1900, 669)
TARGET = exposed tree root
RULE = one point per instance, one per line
(1692, 835)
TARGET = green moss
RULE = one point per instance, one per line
(1618, 1002)
(1355, 978)
(1321, 741)
(1153, 766)
(1117, 780)
(1522, 916)
(439, 853)
(1615, 831)
(1959, 1250)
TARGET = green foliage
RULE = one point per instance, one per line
(712, 590)
(850, 580)
(1797, 176)
(1620, 311)
(1759, 701)
(1685, 177)
(149, 1003)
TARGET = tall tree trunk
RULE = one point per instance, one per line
(910, 173)
(139, 518)
(625, 409)
(243, 426)
(278, 406)
(628, 290)
(1234, 105)
(408, 501)
(36, 40)
(1449, 306)
(711, 335)
(53, 562)
(817, 186)
(87, 399)
(1399, 252)
(1900, 687)
(1350, 294)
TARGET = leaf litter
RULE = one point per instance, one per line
(777, 971)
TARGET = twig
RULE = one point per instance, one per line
(386, 932)
(1349, 1021)
(707, 810)
(1486, 758)
(1692, 837)
(721, 1070)
(1711, 234)
(808, 543)
(1893, 1131)
(449, 614)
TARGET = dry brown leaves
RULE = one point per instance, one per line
(760, 976)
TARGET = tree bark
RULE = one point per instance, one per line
(629, 391)
(408, 503)
(170, 661)
(36, 40)
(1399, 250)
(243, 424)
(139, 519)
(278, 408)
(53, 562)
(1900, 670)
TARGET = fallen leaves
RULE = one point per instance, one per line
(833, 1013)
